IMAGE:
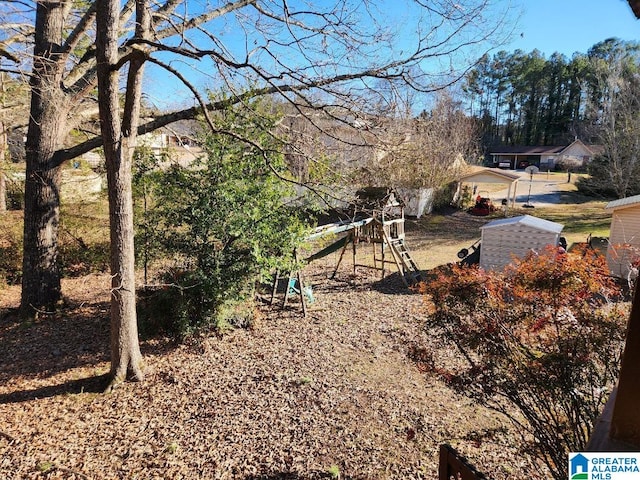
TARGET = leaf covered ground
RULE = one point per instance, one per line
(337, 394)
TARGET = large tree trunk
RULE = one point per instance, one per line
(41, 276)
(126, 359)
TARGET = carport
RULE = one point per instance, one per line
(491, 175)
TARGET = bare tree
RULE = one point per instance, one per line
(621, 138)
(426, 151)
(618, 127)
(331, 58)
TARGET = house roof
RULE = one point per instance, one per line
(476, 174)
(623, 203)
(596, 149)
(526, 150)
(528, 221)
(542, 150)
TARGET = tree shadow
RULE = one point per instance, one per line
(316, 475)
(53, 343)
(75, 337)
(95, 384)
(579, 198)
(393, 285)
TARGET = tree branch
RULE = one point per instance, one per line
(206, 17)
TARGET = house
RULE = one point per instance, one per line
(178, 144)
(577, 155)
(624, 238)
(506, 238)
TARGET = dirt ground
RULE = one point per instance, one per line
(332, 395)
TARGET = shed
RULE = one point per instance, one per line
(624, 237)
(516, 236)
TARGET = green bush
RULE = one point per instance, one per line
(220, 224)
(443, 195)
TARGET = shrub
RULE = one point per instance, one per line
(221, 223)
(540, 342)
(180, 311)
(11, 248)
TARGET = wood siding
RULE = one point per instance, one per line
(624, 240)
(501, 244)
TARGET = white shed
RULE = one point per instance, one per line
(515, 237)
(624, 237)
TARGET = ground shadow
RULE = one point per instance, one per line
(278, 476)
(52, 343)
(95, 384)
(452, 225)
(74, 337)
(549, 198)
(393, 285)
(294, 476)
(579, 198)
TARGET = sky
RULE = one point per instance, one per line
(569, 26)
(565, 26)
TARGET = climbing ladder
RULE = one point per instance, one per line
(407, 267)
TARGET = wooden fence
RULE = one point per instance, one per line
(454, 466)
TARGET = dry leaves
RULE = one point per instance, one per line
(333, 394)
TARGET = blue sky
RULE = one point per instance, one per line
(569, 26)
(565, 26)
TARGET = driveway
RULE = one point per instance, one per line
(539, 189)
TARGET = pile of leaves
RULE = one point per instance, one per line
(332, 395)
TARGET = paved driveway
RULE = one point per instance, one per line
(539, 190)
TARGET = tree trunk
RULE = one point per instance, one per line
(3, 159)
(126, 359)
(41, 275)
(3, 193)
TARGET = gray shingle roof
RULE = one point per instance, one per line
(527, 220)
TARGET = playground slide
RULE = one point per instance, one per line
(338, 227)
(334, 247)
